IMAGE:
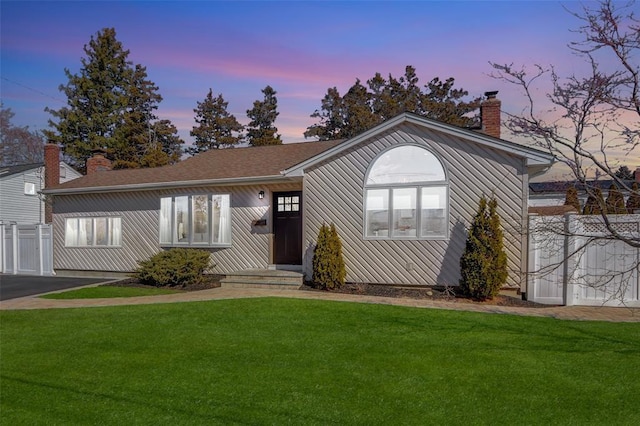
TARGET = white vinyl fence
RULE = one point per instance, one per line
(26, 249)
(572, 262)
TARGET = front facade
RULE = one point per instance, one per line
(401, 195)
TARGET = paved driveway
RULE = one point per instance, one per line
(14, 286)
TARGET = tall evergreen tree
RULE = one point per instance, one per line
(364, 107)
(483, 265)
(615, 201)
(110, 105)
(633, 202)
(571, 198)
(261, 129)
(216, 128)
(624, 173)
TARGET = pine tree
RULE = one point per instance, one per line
(624, 173)
(615, 201)
(261, 129)
(365, 107)
(633, 202)
(216, 128)
(110, 105)
(571, 198)
(483, 265)
(328, 264)
(595, 202)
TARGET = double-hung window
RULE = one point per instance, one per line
(93, 232)
(196, 220)
(406, 196)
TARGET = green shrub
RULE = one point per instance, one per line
(633, 203)
(328, 265)
(483, 265)
(571, 198)
(174, 268)
(595, 203)
(615, 201)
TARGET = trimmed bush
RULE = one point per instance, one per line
(615, 201)
(571, 198)
(633, 203)
(483, 264)
(328, 265)
(595, 203)
(174, 268)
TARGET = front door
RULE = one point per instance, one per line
(287, 228)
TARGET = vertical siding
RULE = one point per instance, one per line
(140, 221)
(334, 193)
(15, 205)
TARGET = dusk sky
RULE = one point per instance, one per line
(299, 48)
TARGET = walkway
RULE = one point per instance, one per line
(583, 313)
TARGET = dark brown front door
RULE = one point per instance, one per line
(287, 228)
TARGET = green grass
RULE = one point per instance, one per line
(276, 361)
(107, 291)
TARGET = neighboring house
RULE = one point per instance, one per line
(401, 195)
(20, 186)
(553, 193)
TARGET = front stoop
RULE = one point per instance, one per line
(263, 278)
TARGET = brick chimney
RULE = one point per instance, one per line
(98, 162)
(490, 114)
(51, 175)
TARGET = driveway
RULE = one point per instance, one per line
(14, 286)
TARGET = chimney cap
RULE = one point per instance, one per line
(491, 95)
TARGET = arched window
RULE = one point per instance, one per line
(406, 195)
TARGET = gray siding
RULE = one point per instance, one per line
(334, 193)
(140, 221)
(17, 207)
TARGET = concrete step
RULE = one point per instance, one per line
(263, 278)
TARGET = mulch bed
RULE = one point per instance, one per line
(432, 293)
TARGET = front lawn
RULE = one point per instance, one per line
(108, 291)
(276, 361)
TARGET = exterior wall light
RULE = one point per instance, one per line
(261, 195)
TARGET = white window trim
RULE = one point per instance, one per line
(190, 242)
(418, 186)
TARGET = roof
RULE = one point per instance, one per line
(14, 170)
(216, 166)
(537, 160)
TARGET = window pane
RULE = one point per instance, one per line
(85, 234)
(404, 212)
(165, 220)
(115, 231)
(182, 220)
(405, 164)
(200, 219)
(221, 219)
(101, 231)
(71, 232)
(377, 213)
(434, 208)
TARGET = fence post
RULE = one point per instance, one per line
(14, 242)
(2, 250)
(570, 259)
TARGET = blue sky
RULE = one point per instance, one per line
(299, 48)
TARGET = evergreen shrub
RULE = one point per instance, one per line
(571, 198)
(329, 271)
(483, 265)
(174, 268)
(633, 202)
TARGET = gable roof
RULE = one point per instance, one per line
(537, 161)
(14, 170)
(216, 166)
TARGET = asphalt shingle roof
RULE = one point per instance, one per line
(215, 164)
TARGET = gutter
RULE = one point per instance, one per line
(162, 185)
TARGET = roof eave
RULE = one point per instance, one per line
(167, 185)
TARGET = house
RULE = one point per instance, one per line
(20, 186)
(401, 195)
